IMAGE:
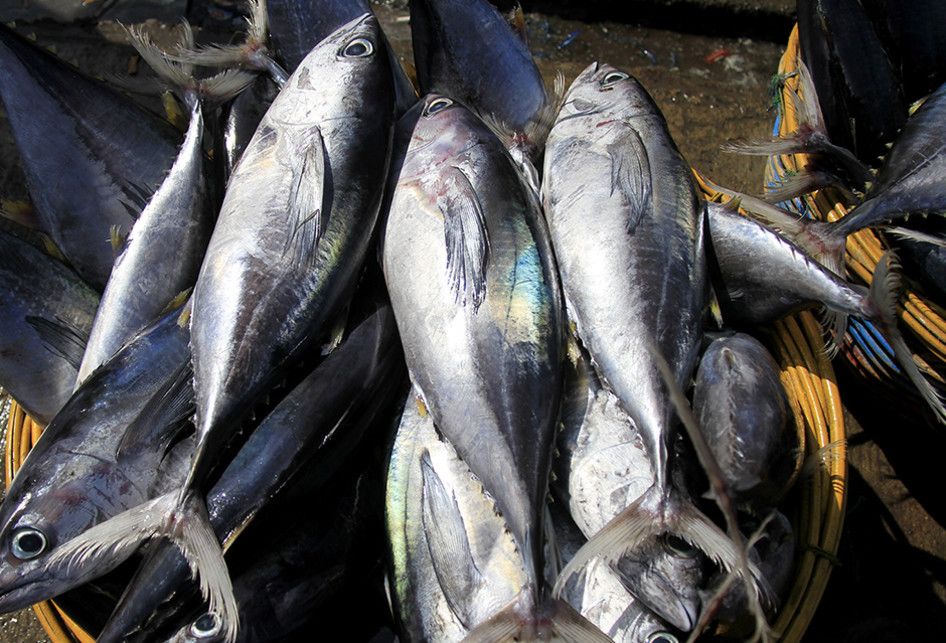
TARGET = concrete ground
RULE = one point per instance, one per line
(713, 85)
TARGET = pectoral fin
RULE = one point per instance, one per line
(466, 238)
(306, 212)
(60, 338)
(447, 543)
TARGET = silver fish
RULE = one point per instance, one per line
(455, 563)
(469, 268)
(601, 469)
(78, 474)
(627, 227)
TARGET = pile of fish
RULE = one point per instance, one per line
(480, 318)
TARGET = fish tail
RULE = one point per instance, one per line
(628, 531)
(553, 620)
(655, 514)
(811, 137)
(179, 74)
(253, 53)
(225, 85)
(884, 293)
(183, 522)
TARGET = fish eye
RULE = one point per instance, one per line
(358, 48)
(613, 77)
(28, 543)
(437, 105)
(206, 625)
(662, 637)
(679, 547)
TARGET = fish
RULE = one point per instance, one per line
(763, 276)
(92, 158)
(453, 561)
(627, 227)
(293, 233)
(316, 427)
(45, 323)
(473, 285)
(467, 51)
(164, 251)
(601, 596)
(744, 413)
(76, 475)
(858, 89)
(601, 467)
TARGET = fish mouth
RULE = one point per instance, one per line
(26, 593)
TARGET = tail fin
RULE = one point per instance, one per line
(185, 524)
(653, 515)
(884, 291)
(556, 620)
(791, 186)
(253, 53)
(180, 75)
(811, 137)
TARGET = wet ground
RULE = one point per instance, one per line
(712, 87)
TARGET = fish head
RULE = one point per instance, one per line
(437, 131)
(35, 519)
(205, 628)
(353, 57)
(600, 96)
(665, 575)
(64, 488)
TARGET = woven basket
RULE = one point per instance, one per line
(809, 379)
(864, 348)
